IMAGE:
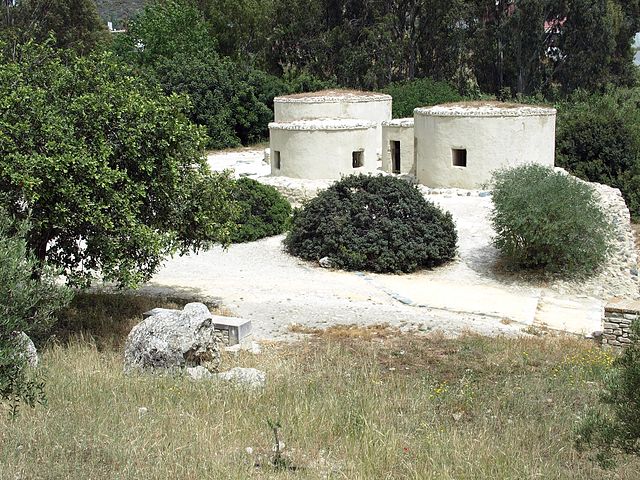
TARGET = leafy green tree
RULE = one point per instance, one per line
(172, 43)
(74, 24)
(598, 139)
(109, 170)
(240, 27)
(27, 307)
(613, 428)
(421, 92)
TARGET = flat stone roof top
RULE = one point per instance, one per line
(622, 305)
(485, 109)
(324, 124)
(334, 95)
(399, 122)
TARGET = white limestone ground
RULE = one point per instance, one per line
(260, 282)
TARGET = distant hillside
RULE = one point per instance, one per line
(118, 11)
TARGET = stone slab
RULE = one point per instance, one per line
(622, 305)
(517, 307)
(158, 310)
(579, 315)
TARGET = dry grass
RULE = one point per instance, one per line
(353, 403)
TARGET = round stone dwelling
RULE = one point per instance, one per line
(327, 134)
(323, 149)
(338, 104)
(460, 145)
(397, 146)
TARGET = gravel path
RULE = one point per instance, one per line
(260, 282)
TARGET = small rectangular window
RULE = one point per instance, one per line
(357, 159)
(459, 156)
(395, 156)
(276, 159)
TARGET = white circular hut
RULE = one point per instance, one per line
(323, 148)
(460, 145)
(397, 146)
(334, 104)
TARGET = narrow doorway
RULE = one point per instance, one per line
(395, 156)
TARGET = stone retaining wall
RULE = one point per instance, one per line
(618, 316)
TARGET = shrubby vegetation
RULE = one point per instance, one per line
(598, 139)
(421, 92)
(614, 428)
(108, 168)
(29, 298)
(548, 221)
(380, 224)
(262, 211)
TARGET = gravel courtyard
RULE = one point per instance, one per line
(259, 281)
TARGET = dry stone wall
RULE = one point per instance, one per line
(618, 317)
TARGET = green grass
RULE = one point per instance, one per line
(357, 406)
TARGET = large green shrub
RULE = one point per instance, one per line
(421, 92)
(548, 220)
(379, 224)
(29, 297)
(614, 427)
(263, 211)
(598, 139)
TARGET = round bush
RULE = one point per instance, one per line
(379, 224)
(548, 220)
(263, 211)
(420, 92)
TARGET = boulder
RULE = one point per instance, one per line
(174, 340)
(245, 377)
(29, 349)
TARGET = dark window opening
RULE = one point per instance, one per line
(395, 156)
(276, 159)
(357, 159)
(459, 157)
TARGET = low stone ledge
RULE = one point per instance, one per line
(619, 314)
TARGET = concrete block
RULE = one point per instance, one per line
(239, 329)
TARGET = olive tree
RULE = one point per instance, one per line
(108, 169)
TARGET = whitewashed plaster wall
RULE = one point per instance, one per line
(335, 104)
(400, 130)
(494, 136)
(322, 149)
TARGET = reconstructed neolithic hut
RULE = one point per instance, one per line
(397, 146)
(460, 145)
(327, 134)
(332, 133)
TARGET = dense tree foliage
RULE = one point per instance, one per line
(108, 168)
(263, 211)
(119, 12)
(27, 307)
(379, 224)
(546, 220)
(73, 24)
(421, 92)
(598, 139)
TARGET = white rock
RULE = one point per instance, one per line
(170, 340)
(29, 349)
(246, 377)
(198, 373)
(325, 262)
